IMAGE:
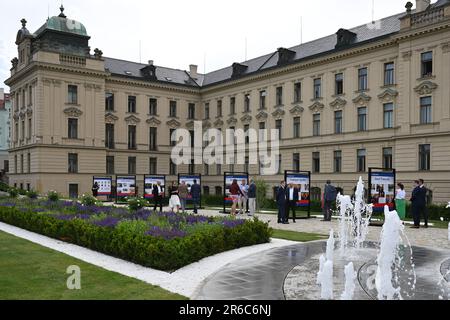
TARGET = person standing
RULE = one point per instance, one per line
(329, 197)
(183, 193)
(282, 203)
(95, 189)
(417, 204)
(235, 193)
(423, 195)
(243, 198)
(252, 198)
(400, 203)
(196, 193)
(292, 197)
(157, 193)
(174, 201)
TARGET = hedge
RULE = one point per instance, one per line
(153, 252)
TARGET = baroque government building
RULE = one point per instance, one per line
(377, 95)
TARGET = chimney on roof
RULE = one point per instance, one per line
(422, 5)
(285, 56)
(193, 71)
(238, 70)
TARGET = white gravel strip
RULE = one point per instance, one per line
(185, 281)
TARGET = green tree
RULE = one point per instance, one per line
(261, 194)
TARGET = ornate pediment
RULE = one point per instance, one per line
(219, 123)
(206, 124)
(110, 118)
(29, 111)
(132, 120)
(232, 121)
(153, 122)
(317, 107)
(262, 116)
(278, 114)
(173, 124)
(338, 103)
(297, 111)
(22, 115)
(388, 95)
(426, 87)
(73, 112)
(362, 99)
(190, 124)
(246, 119)
(16, 116)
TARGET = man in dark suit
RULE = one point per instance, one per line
(282, 203)
(292, 198)
(418, 203)
(196, 192)
(329, 196)
(158, 196)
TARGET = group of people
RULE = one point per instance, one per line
(287, 197)
(418, 202)
(241, 194)
(179, 195)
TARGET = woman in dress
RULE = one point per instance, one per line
(235, 192)
(174, 201)
(400, 201)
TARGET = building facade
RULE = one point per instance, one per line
(5, 109)
(372, 96)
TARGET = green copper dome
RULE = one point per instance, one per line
(62, 24)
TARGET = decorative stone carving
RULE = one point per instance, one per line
(232, 121)
(110, 118)
(206, 124)
(153, 122)
(297, 111)
(98, 53)
(22, 115)
(173, 124)
(190, 124)
(14, 63)
(73, 112)
(426, 87)
(388, 95)
(316, 107)
(29, 111)
(406, 55)
(132, 120)
(262, 116)
(16, 116)
(338, 103)
(278, 114)
(362, 99)
(446, 47)
(219, 123)
(246, 119)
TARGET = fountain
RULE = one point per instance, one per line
(344, 204)
(325, 274)
(350, 277)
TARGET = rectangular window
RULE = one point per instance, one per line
(297, 127)
(191, 111)
(29, 163)
(192, 167)
(218, 169)
(262, 132)
(16, 170)
(387, 158)
(109, 101)
(173, 168)
(362, 79)
(317, 88)
(171, 142)
(23, 130)
(262, 99)
(73, 191)
(173, 109)
(427, 64)
(280, 164)
(109, 136)
(316, 125)
(247, 103)
(316, 162)
(153, 166)
(279, 127)
(30, 127)
(153, 107)
(131, 165)
(232, 106)
(131, 104)
(110, 165)
(219, 108)
(388, 110)
(337, 161)
(207, 111)
(339, 84)
(297, 92)
(6, 165)
(247, 137)
(153, 139)
(72, 94)
(279, 96)
(73, 128)
(73, 163)
(424, 157)
(30, 95)
(16, 132)
(425, 110)
(206, 170)
(296, 162)
(338, 122)
(389, 74)
(21, 164)
(132, 138)
(362, 119)
(361, 160)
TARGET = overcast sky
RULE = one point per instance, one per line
(176, 33)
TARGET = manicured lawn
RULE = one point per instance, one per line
(32, 272)
(297, 236)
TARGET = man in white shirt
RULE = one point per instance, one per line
(292, 197)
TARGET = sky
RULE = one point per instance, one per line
(176, 33)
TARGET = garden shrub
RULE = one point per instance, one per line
(13, 193)
(88, 200)
(32, 194)
(137, 203)
(53, 196)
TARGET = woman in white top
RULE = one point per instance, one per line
(174, 201)
(401, 193)
(400, 203)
